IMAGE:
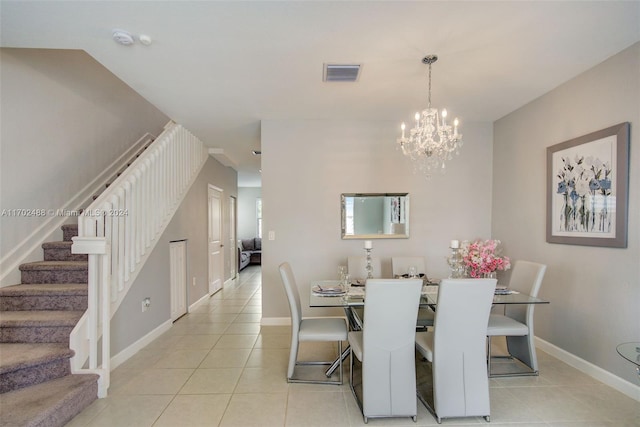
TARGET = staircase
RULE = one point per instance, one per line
(37, 387)
(36, 318)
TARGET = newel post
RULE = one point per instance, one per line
(98, 316)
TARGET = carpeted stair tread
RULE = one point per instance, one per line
(57, 245)
(39, 318)
(44, 296)
(53, 403)
(61, 251)
(14, 356)
(53, 289)
(54, 265)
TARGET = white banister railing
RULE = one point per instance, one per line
(119, 230)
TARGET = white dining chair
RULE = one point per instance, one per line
(516, 324)
(385, 348)
(357, 267)
(399, 267)
(456, 349)
(315, 329)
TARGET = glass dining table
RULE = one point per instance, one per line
(354, 297)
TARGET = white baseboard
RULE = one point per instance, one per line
(125, 354)
(606, 377)
(198, 303)
(275, 321)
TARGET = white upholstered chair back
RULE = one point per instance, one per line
(526, 277)
(356, 266)
(400, 265)
(293, 296)
(388, 347)
(460, 381)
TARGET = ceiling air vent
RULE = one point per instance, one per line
(341, 72)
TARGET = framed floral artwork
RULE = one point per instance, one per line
(587, 189)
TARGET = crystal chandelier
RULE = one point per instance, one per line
(431, 141)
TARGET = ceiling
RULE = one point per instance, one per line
(220, 67)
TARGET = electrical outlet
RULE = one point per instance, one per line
(272, 235)
(194, 280)
(146, 303)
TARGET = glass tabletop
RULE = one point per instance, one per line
(355, 297)
(630, 351)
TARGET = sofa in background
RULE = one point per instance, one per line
(249, 252)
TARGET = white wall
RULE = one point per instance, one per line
(247, 219)
(594, 292)
(306, 165)
(64, 119)
(189, 222)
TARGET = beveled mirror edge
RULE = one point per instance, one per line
(345, 236)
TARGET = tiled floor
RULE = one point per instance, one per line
(218, 367)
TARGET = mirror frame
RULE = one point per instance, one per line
(343, 216)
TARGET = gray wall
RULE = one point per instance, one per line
(64, 118)
(594, 292)
(306, 165)
(247, 219)
(189, 222)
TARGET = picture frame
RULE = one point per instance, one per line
(588, 188)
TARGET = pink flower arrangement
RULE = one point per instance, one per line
(482, 257)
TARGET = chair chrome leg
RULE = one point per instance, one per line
(340, 374)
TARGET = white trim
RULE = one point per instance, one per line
(128, 352)
(620, 384)
(198, 303)
(275, 321)
(30, 249)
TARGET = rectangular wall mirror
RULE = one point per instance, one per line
(375, 215)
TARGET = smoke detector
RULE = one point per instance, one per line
(123, 37)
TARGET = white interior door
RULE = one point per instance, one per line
(215, 240)
(178, 278)
(233, 252)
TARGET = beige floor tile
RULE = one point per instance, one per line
(612, 405)
(244, 328)
(156, 381)
(203, 328)
(91, 411)
(262, 380)
(317, 409)
(226, 358)
(236, 341)
(255, 410)
(248, 317)
(133, 411)
(505, 407)
(554, 404)
(228, 309)
(181, 358)
(199, 342)
(275, 330)
(194, 411)
(273, 341)
(208, 381)
(274, 358)
(213, 316)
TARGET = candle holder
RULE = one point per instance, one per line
(368, 266)
(456, 264)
